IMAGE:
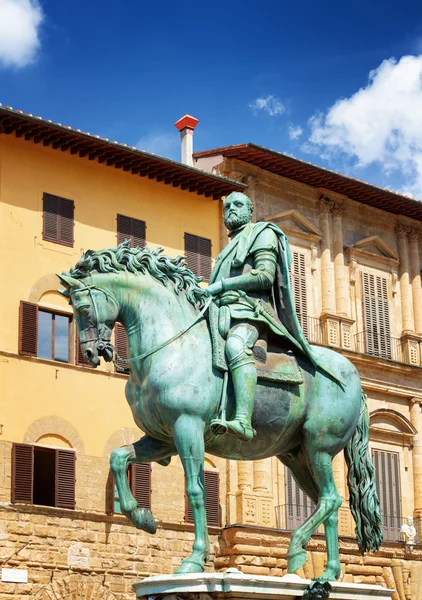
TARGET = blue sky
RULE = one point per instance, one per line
(337, 84)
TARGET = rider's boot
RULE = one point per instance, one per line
(244, 382)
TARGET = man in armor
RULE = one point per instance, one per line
(251, 277)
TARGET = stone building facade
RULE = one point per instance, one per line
(356, 278)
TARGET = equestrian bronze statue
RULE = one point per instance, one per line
(227, 370)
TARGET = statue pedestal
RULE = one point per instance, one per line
(234, 585)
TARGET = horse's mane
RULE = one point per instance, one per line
(141, 260)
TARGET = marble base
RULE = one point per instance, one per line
(235, 585)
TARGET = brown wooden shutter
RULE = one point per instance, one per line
(50, 217)
(80, 357)
(204, 247)
(66, 221)
(120, 342)
(131, 229)
(140, 483)
(138, 233)
(28, 329)
(387, 478)
(65, 479)
(191, 252)
(109, 494)
(212, 500)
(298, 279)
(22, 473)
(124, 228)
(376, 315)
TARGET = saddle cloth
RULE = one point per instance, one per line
(279, 367)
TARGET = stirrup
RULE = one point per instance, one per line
(241, 430)
(218, 427)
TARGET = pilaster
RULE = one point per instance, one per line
(325, 206)
(415, 278)
(416, 420)
(405, 289)
(340, 276)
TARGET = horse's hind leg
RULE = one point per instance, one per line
(188, 435)
(146, 449)
(329, 502)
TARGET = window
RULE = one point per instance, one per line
(139, 477)
(47, 334)
(298, 281)
(58, 219)
(387, 477)
(376, 315)
(198, 255)
(43, 476)
(131, 229)
(212, 502)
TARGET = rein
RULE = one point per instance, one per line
(116, 355)
(163, 344)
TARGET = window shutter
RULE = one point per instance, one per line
(22, 473)
(204, 246)
(65, 479)
(66, 221)
(298, 279)
(376, 315)
(28, 329)
(299, 505)
(138, 233)
(120, 342)
(80, 357)
(212, 500)
(124, 228)
(50, 217)
(131, 229)
(387, 477)
(140, 483)
(191, 252)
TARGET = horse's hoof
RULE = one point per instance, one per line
(190, 566)
(143, 519)
(296, 561)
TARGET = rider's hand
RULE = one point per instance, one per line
(215, 288)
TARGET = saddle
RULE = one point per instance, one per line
(272, 366)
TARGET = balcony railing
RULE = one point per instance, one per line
(369, 342)
(291, 516)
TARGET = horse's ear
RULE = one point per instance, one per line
(64, 293)
(70, 282)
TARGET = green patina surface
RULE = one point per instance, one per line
(176, 394)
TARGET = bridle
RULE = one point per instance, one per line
(106, 342)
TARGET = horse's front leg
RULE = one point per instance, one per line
(188, 435)
(146, 450)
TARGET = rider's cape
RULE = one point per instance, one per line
(233, 256)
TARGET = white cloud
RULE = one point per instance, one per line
(295, 131)
(20, 22)
(270, 104)
(163, 144)
(379, 124)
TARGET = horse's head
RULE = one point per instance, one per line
(96, 311)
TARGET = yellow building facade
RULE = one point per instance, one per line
(54, 406)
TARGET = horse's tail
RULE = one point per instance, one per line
(364, 501)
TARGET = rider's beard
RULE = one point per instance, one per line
(234, 221)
